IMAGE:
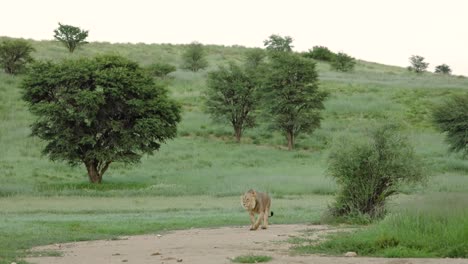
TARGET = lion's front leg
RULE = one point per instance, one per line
(252, 220)
(257, 223)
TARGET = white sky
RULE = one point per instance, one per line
(384, 31)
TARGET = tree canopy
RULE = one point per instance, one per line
(418, 64)
(232, 97)
(194, 58)
(292, 96)
(100, 110)
(278, 43)
(71, 36)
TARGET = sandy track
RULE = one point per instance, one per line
(206, 246)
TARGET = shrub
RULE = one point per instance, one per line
(443, 69)
(160, 69)
(370, 169)
(14, 55)
(320, 53)
(451, 117)
(343, 62)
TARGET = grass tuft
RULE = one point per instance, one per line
(251, 259)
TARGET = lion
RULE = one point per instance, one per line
(260, 203)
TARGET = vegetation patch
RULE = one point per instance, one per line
(251, 259)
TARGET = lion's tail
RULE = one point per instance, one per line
(271, 214)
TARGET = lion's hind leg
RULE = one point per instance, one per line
(265, 218)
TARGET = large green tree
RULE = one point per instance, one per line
(96, 111)
(278, 43)
(15, 54)
(71, 36)
(194, 58)
(232, 97)
(292, 96)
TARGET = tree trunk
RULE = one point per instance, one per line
(238, 134)
(93, 172)
(290, 137)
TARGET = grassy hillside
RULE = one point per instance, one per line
(203, 168)
(205, 153)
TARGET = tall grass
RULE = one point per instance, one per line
(428, 226)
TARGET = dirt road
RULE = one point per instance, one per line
(207, 246)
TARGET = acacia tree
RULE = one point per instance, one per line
(254, 58)
(15, 54)
(98, 111)
(70, 36)
(278, 43)
(451, 117)
(417, 64)
(194, 58)
(292, 96)
(443, 69)
(232, 98)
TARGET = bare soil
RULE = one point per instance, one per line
(208, 246)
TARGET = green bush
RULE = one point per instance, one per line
(369, 170)
(14, 55)
(160, 69)
(451, 118)
(443, 69)
(343, 62)
(320, 53)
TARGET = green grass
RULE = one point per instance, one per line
(251, 259)
(428, 226)
(203, 169)
(27, 221)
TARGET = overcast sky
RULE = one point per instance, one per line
(384, 31)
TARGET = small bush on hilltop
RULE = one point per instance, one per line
(320, 53)
(443, 69)
(343, 62)
(371, 169)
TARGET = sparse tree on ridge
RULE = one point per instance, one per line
(232, 98)
(72, 37)
(278, 43)
(194, 58)
(292, 96)
(417, 64)
(443, 69)
(98, 111)
(15, 54)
